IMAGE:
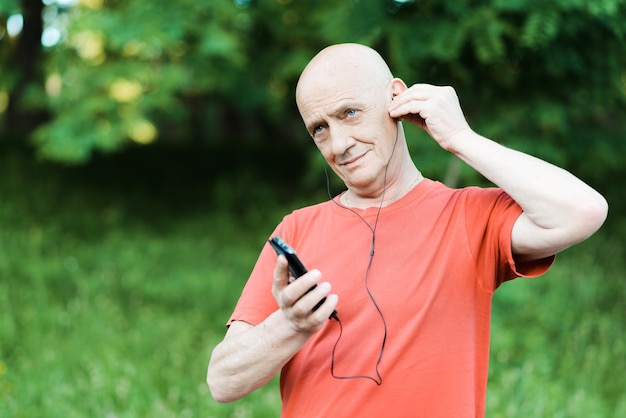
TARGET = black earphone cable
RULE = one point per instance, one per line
(378, 379)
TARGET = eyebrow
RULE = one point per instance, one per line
(334, 112)
(341, 108)
(310, 127)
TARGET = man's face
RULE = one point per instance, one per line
(351, 127)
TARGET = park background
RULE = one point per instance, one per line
(147, 150)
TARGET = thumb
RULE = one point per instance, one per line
(281, 274)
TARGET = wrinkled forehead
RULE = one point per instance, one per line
(330, 81)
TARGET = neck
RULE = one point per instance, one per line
(392, 192)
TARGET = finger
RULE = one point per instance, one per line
(314, 296)
(417, 92)
(299, 288)
(412, 111)
(316, 306)
(320, 299)
(281, 273)
(408, 103)
(308, 321)
(327, 308)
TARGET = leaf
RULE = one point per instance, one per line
(540, 28)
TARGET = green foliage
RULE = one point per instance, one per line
(8, 7)
(540, 28)
(125, 77)
(544, 77)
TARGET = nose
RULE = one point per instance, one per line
(341, 139)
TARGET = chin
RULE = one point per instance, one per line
(362, 183)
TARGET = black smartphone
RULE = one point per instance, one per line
(296, 267)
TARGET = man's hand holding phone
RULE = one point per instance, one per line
(306, 302)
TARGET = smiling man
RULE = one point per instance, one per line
(345, 110)
(413, 264)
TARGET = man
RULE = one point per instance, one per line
(413, 264)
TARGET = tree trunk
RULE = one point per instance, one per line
(25, 61)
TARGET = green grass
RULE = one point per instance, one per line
(112, 300)
(114, 289)
(558, 342)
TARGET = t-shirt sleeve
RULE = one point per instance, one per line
(491, 216)
(256, 301)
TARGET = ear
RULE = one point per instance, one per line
(397, 87)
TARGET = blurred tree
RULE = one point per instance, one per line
(547, 77)
(22, 70)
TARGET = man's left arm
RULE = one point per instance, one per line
(559, 210)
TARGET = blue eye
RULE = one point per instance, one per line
(351, 112)
(318, 129)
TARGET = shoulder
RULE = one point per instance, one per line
(309, 212)
(472, 196)
(302, 219)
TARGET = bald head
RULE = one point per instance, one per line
(346, 66)
(343, 96)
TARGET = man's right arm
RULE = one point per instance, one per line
(250, 355)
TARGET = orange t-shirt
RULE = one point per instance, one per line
(439, 255)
